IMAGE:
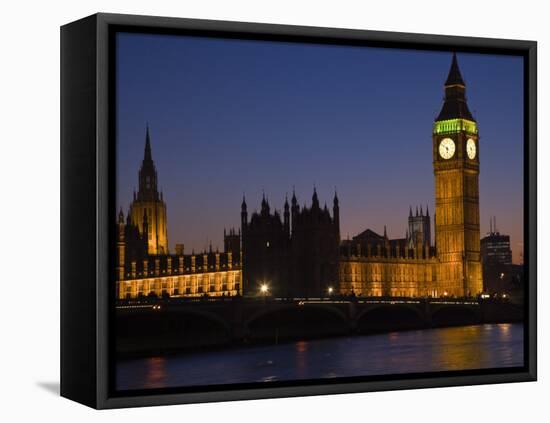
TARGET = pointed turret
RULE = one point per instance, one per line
(410, 211)
(244, 216)
(294, 209)
(265, 205)
(121, 217)
(314, 199)
(294, 201)
(286, 217)
(336, 213)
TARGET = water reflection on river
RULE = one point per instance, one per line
(457, 348)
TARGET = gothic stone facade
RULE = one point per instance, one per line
(294, 257)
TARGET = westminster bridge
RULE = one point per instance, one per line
(149, 324)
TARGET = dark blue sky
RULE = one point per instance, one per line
(234, 116)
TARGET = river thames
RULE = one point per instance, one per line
(428, 350)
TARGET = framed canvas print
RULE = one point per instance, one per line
(256, 211)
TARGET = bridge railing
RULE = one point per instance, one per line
(149, 302)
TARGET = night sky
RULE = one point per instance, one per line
(229, 117)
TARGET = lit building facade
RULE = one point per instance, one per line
(374, 265)
(144, 266)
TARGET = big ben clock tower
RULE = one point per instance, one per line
(456, 171)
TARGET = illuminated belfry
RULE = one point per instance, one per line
(148, 201)
(456, 170)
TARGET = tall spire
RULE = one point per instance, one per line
(455, 105)
(455, 77)
(147, 156)
(148, 174)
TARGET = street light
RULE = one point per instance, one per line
(330, 290)
(264, 288)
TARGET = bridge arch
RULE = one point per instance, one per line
(450, 315)
(383, 317)
(206, 315)
(297, 321)
(163, 330)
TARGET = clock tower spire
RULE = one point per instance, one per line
(456, 172)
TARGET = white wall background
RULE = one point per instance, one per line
(29, 208)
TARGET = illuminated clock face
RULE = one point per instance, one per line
(447, 148)
(471, 149)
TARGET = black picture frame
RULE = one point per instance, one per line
(87, 206)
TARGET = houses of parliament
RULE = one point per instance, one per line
(301, 254)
